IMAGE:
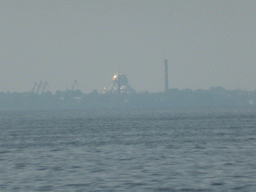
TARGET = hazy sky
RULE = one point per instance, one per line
(207, 43)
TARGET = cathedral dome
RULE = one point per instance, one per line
(119, 85)
(120, 77)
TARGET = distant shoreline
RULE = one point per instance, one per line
(215, 97)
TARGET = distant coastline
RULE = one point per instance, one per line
(76, 99)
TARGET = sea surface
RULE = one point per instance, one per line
(196, 149)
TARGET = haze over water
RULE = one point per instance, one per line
(192, 149)
(207, 44)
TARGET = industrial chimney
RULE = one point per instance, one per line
(166, 75)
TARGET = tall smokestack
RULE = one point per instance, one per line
(166, 75)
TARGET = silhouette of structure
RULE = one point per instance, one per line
(35, 85)
(45, 84)
(119, 85)
(74, 84)
(38, 86)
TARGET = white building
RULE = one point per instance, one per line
(119, 85)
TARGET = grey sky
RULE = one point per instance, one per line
(207, 43)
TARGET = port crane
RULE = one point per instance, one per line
(45, 84)
(38, 86)
(35, 85)
(74, 84)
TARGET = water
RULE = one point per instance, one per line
(140, 150)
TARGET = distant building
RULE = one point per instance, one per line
(119, 85)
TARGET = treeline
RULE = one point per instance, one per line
(216, 96)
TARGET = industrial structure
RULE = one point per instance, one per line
(119, 85)
(74, 84)
(41, 84)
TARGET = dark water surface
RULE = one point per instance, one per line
(140, 150)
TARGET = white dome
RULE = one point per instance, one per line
(119, 85)
(120, 77)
